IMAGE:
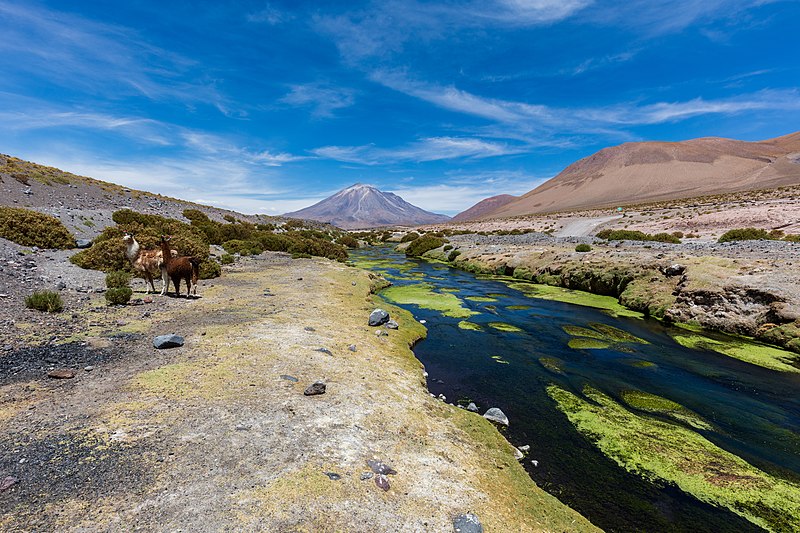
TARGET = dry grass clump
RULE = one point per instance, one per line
(45, 301)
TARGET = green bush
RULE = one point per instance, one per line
(750, 234)
(117, 278)
(31, 228)
(275, 242)
(210, 269)
(347, 240)
(319, 248)
(447, 248)
(453, 255)
(118, 295)
(422, 245)
(583, 248)
(226, 259)
(678, 234)
(242, 247)
(410, 237)
(633, 235)
(792, 238)
(48, 301)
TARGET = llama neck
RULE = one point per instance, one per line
(166, 253)
(132, 251)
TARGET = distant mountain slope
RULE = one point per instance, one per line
(364, 206)
(652, 171)
(483, 207)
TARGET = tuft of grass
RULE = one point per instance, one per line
(408, 237)
(226, 259)
(424, 244)
(118, 295)
(45, 301)
(583, 248)
(453, 255)
(31, 228)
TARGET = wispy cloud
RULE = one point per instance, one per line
(321, 97)
(269, 14)
(428, 149)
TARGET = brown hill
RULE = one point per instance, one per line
(483, 207)
(653, 171)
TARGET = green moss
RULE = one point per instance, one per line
(643, 364)
(422, 294)
(742, 349)
(578, 331)
(502, 326)
(471, 326)
(518, 307)
(558, 294)
(581, 343)
(553, 364)
(644, 401)
(667, 452)
(480, 299)
(616, 334)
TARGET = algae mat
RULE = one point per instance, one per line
(423, 295)
(665, 451)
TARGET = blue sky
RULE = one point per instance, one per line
(268, 107)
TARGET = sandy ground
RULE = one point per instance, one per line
(218, 435)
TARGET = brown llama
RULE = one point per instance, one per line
(178, 268)
(146, 262)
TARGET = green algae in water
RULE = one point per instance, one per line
(471, 326)
(480, 299)
(643, 364)
(449, 289)
(422, 294)
(583, 343)
(749, 352)
(558, 294)
(644, 401)
(553, 364)
(578, 331)
(667, 452)
(499, 359)
(496, 295)
(518, 307)
(615, 334)
(502, 326)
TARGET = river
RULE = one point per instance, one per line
(517, 349)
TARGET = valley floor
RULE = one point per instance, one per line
(218, 435)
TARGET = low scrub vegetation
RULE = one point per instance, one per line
(408, 237)
(117, 278)
(423, 244)
(750, 234)
(633, 235)
(45, 301)
(453, 255)
(583, 248)
(31, 228)
(118, 295)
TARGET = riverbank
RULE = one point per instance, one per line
(747, 288)
(218, 434)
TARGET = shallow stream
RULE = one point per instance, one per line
(491, 342)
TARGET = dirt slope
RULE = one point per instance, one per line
(213, 436)
(650, 171)
(484, 207)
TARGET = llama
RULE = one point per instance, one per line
(146, 262)
(178, 268)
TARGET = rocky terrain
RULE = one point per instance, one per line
(364, 206)
(633, 173)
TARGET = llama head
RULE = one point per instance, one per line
(128, 238)
(166, 238)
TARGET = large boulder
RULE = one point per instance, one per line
(167, 341)
(496, 415)
(378, 317)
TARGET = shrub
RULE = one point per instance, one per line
(410, 237)
(583, 248)
(31, 228)
(117, 278)
(48, 301)
(447, 248)
(242, 247)
(792, 238)
(422, 245)
(748, 234)
(226, 259)
(275, 242)
(118, 295)
(318, 247)
(210, 269)
(347, 240)
(633, 235)
(678, 234)
(453, 255)
(106, 255)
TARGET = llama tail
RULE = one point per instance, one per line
(195, 269)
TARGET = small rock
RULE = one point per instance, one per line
(323, 350)
(423, 321)
(381, 333)
(378, 317)
(382, 482)
(526, 448)
(391, 324)
(88, 368)
(674, 270)
(467, 523)
(353, 283)
(147, 300)
(472, 407)
(83, 243)
(7, 483)
(518, 455)
(496, 415)
(167, 341)
(366, 475)
(352, 347)
(243, 427)
(60, 286)
(333, 476)
(379, 467)
(287, 377)
(534, 462)
(442, 397)
(309, 328)
(61, 373)
(318, 387)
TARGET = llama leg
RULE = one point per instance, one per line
(148, 279)
(164, 281)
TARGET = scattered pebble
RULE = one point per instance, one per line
(391, 324)
(167, 341)
(7, 483)
(352, 347)
(366, 475)
(378, 317)
(382, 482)
(472, 407)
(467, 523)
(318, 387)
(309, 328)
(243, 427)
(61, 373)
(333, 476)
(379, 467)
(287, 377)
(323, 350)
(88, 368)
(534, 462)
(526, 448)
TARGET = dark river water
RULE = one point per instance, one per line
(752, 409)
